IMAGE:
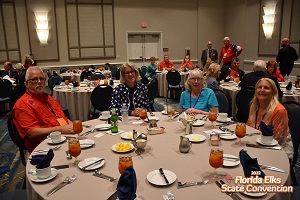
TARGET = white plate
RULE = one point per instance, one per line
(104, 119)
(63, 138)
(199, 123)
(228, 136)
(227, 120)
(164, 112)
(88, 161)
(254, 194)
(103, 127)
(128, 135)
(152, 117)
(114, 148)
(34, 178)
(86, 143)
(283, 85)
(229, 162)
(156, 178)
(196, 137)
(274, 142)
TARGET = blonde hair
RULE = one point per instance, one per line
(212, 69)
(19, 66)
(193, 73)
(133, 67)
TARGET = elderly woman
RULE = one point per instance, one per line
(213, 73)
(265, 107)
(272, 69)
(130, 91)
(197, 99)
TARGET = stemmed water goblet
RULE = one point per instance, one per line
(74, 148)
(240, 131)
(212, 116)
(215, 160)
(171, 113)
(124, 162)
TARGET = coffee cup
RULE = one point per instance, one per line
(266, 139)
(55, 136)
(223, 116)
(105, 114)
(43, 173)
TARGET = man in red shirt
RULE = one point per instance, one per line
(228, 52)
(36, 114)
(166, 64)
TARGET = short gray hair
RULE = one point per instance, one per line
(192, 74)
(19, 66)
(31, 69)
(259, 65)
(133, 67)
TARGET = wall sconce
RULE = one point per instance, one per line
(42, 28)
(269, 20)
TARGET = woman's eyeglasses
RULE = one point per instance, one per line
(129, 72)
(196, 79)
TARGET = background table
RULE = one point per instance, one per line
(162, 150)
(68, 76)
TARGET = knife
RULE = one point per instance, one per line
(231, 194)
(264, 147)
(272, 168)
(60, 166)
(93, 163)
(161, 171)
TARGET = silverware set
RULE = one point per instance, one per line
(231, 194)
(264, 147)
(230, 158)
(272, 168)
(189, 184)
(68, 180)
(104, 176)
(46, 150)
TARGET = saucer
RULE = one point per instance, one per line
(196, 137)
(151, 117)
(230, 162)
(228, 136)
(224, 121)
(86, 143)
(199, 123)
(128, 135)
(103, 127)
(63, 138)
(33, 177)
(274, 142)
(104, 119)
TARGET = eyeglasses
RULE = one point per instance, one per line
(130, 72)
(36, 80)
(196, 79)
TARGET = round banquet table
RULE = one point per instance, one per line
(162, 150)
(68, 76)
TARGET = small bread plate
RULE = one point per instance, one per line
(103, 127)
(228, 162)
(228, 136)
(127, 135)
(155, 178)
(125, 150)
(89, 161)
(62, 139)
(151, 117)
(164, 112)
(104, 118)
(34, 178)
(273, 143)
(283, 85)
(86, 143)
(155, 130)
(196, 137)
(223, 121)
(198, 122)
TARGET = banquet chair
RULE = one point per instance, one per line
(173, 79)
(224, 102)
(53, 81)
(63, 70)
(152, 93)
(113, 70)
(5, 93)
(85, 74)
(243, 99)
(144, 79)
(117, 74)
(144, 69)
(100, 99)
(97, 76)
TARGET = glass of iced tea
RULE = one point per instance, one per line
(240, 131)
(124, 162)
(143, 114)
(74, 148)
(171, 113)
(212, 116)
(77, 126)
(237, 80)
(105, 82)
(67, 82)
(216, 160)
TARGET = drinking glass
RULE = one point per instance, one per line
(216, 160)
(143, 114)
(237, 80)
(240, 131)
(105, 82)
(67, 82)
(72, 79)
(124, 162)
(77, 126)
(89, 78)
(171, 112)
(74, 148)
(212, 116)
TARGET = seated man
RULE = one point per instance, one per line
(166, 64)
(10, 71)
(259, 69)
(36, 114)
(231, 73)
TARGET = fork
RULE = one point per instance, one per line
(188, 184)
(44, 150)
(101, 175)
(67, 180)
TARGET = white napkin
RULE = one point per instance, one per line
(8, 78)
(99, 135)
(214, 130)
(137, 122)
(109, 132)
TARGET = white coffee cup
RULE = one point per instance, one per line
(43, 173)
(55, 136)
(223, 116)
(266, 139)
(105, 114)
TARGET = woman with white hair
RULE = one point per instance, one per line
(197, 99)
(130, 91)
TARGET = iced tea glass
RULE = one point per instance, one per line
(77, 126)
(74, 148)
(237, 80)
(240, 131)
(171, 113)
(143, 114)
(124, 162)
(67, 82)
(216, 160)
(212, 116)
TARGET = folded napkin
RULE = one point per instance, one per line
(266, 130)
(126, 187)
(289, 86)
(249, 164)
(42, 161)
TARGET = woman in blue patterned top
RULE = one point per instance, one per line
(197, 99)
(130, 91)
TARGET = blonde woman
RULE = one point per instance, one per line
(213, 73)
(28, 61)
(265, 107)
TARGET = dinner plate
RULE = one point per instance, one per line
(127, 135)
(228, 136)
(114, 148)
(152, 117)
(156, 178)
(33, 177)
(49, 141)
(104, 119)
(196, 137)
(273, 143)
(90, 160)
(103, 127)
(198, 123)
(230, 162)
(86, 143)
(221, 120)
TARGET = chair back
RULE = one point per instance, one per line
(101, 97)
(49, 74)
(85, 74)
(152, 92)
(118, 74)
(224, 102)
(16, 138)
(144, 79)
(173, 78)
(113, 70)
(63, 70)
(97, 76)
(144, 69)
(53, 81)
(5, 88)
(243, 99)
(293, 110)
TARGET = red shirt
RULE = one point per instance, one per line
(228, 53)
(190, 63)
(32, 111)
(168, 65)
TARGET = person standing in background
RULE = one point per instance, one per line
(209, 53)
(286, 57)
(28, 61)
(228, 52)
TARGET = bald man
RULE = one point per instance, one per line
(209, 53)
(228, 52)
(286, 57)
